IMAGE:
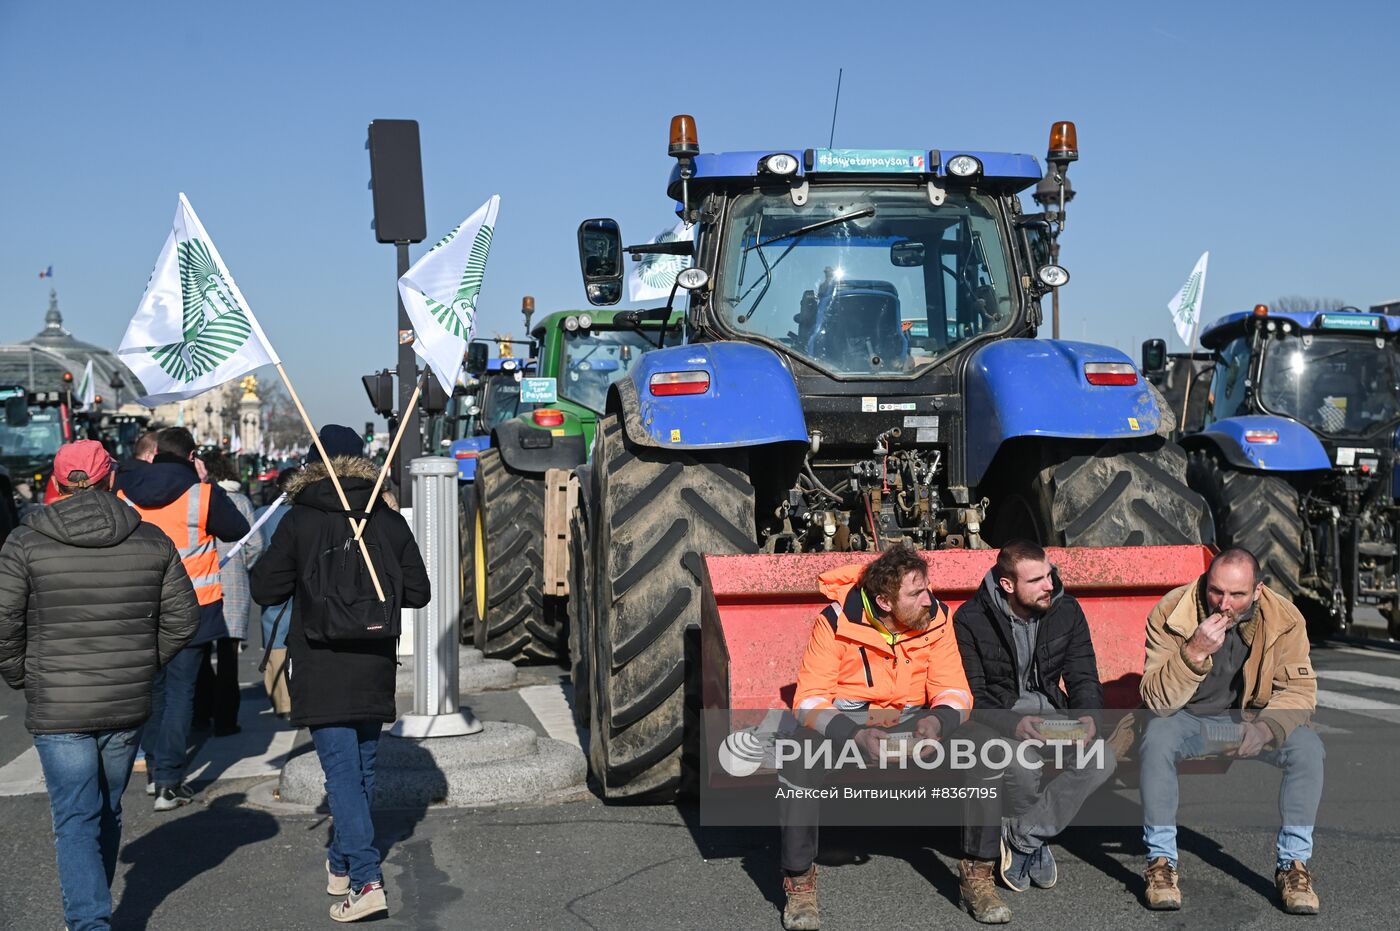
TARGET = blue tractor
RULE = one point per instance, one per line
(1296, 454)
(860, 367)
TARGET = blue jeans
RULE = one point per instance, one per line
(347, 753)
(165, 740)
(86, 775)
(1170, 739)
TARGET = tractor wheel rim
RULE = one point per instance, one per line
(479, 557)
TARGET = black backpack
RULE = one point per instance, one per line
(342, 604)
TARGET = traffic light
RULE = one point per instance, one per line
(369, 432)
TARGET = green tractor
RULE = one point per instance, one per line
(525, 484)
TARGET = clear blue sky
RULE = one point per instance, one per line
(1268, 133)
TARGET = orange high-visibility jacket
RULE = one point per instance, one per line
(184, 521)
(849, 665)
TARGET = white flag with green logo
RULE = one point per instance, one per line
(439, 293)
(87, 390)
(193, 329)
(652, 278)
(1186, 306)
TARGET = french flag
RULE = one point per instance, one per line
(47, 273)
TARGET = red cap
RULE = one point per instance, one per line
(83, 456)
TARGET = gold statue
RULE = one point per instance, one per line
(250, 388)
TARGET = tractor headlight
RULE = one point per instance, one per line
(779, 163)
(571, 324)
(584, 321)
(1052, 276)
(964, 166)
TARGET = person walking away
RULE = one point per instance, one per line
(221, 681)
(342, 689)
(170, 494)
(92, 603)
(274, 620)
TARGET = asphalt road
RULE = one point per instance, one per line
(229, 861)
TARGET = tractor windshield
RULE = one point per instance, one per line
(595, 358)
(1337, 385)
(38, 440)
(885, 288)
(500, 402)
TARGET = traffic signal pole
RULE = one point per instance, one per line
(412, 445)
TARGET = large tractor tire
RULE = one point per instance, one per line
(466, 559)
(514, 621)
(580, 609)
(657, 511)
(1113, 495)
(1256, 512)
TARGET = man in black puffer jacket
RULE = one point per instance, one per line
(92, 603)
(1021, 637)
(343, 690)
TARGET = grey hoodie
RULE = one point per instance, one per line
(92, 603)
(1023, 633)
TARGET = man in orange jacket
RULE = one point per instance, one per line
(883, 660)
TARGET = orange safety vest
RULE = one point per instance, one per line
(184, 521)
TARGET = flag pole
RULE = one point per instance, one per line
(335, 479)
(393, 448)
(1191, 363)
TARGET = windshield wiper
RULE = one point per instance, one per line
(794, 235)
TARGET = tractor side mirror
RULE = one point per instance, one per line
(1154, 356)
(907, 254)
(600, 258)
(477, 356)
(380, 388)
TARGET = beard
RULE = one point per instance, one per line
(916, 620)
(1035, 607)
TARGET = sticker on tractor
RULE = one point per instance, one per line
(675, 436)
(899, 406)
(1133, 424)
(926, 434)
(915, 422)
(867, 405)
(888, 161)
(538, 391)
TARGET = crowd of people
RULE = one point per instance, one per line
(124, 606)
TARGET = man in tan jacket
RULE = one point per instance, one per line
(1228, 670)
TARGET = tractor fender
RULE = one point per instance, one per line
(1037, 387)
(1296, 450)
(751, 399)
(536, 450)
(465, 451)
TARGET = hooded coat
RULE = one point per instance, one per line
(92, 603)
(350, 680)
(163, 482)
(1066, 670)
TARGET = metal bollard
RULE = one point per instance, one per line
(435, 628)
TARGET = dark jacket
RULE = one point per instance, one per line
(344, 681)
(164, 481)
(92, 603)
(1067, 672)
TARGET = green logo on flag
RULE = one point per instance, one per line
(1190, 296)
(457, 317)
(215, 325)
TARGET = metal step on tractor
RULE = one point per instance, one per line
(517, 586)
(1296, 455)
(860, 367)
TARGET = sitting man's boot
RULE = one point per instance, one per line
(977, 885)
(800, 913)
(1163, 894)
(1295, 887)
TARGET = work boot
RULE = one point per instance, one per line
(362, 903)
(977, 885)
(800, 913)
(1163, 894)
(1295, 886)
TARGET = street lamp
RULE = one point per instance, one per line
(116, 384)
(208, 419)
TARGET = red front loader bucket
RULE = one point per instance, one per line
(758, 612)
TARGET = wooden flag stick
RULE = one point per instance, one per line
(393, 448)
(335, 479)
